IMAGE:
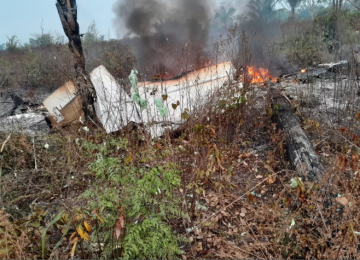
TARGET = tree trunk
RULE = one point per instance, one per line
(293, 11)
(67, 10)
(337, 4)
(299, 148)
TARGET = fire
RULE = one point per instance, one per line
(259, 75)
(303, 71)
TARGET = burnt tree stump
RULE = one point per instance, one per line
(299, 148)
(67, 10)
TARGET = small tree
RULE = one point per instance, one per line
(225, 16)
(12, 44)
(293, 5)
(41, 40)
(262, 9)
(91, 35)
(337, 4)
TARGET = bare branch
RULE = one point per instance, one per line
(3, 145)
(354, 5)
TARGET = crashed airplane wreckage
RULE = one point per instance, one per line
(158, 105)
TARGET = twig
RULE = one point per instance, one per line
(244, 251)
(94, 122)
(1, 158)
(354, 5)
(3, 145)
(337, 256)
(6, 77)
(167, 123)
(247, 224)
(33, 141)
(22, 198)
(322, 218)
(239, 198)
(347, 140)
(287, 99)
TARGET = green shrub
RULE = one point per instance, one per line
(142, 194)
(13, 44)
(304, 48)
(34, 73)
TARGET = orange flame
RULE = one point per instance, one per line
(259, 75)
(303, 71)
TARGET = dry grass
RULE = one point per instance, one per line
(13, 241)
(235, 177)
(222, 160)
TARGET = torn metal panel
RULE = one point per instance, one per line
(17, 100)
(6, 105)
(181, 96)
(64, 105)
(30, 123)
(333, 65)
(324, 71)
(114, 108)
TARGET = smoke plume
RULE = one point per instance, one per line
(163, 32)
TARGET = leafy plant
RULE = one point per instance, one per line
(41, 40)
(43, 236)
(132, 210)
(13, 44)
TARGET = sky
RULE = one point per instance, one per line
(23, 18)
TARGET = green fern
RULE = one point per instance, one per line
(145, 195)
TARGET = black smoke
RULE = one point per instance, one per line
(168, 37)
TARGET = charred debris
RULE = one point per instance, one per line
(151, 102)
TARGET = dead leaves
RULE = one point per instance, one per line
(74, 240)
(174, 106)
(271, 179)
(344, 130)
(102, 222)
(342, 201)
(119, 226)
(243, 212)
(158, 146)
(83, 234)
(129, 159)
(343, 162)
(73, 250)
(87, 226)
(250, 197)
(64, 219)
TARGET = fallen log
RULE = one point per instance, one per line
(299, 148)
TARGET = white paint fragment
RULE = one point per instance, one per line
(182, 95)
(294, 183)
(292, 224)
(114, 108)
